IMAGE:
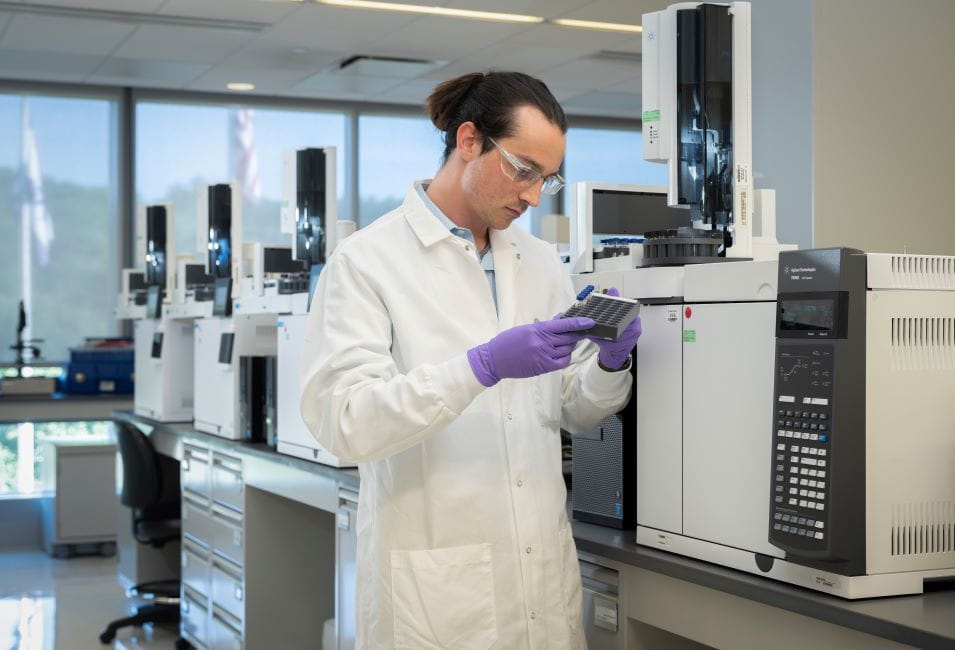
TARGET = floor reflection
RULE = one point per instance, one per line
(53, 604)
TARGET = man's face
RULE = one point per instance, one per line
(495, 198)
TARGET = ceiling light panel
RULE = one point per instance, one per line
(453, 12)
(598, 25)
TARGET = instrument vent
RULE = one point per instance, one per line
(922, 271)
(923, 528)
(921, 343)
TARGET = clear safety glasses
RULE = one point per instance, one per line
(524, 174)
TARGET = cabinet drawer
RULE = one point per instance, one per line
(225, 633)
(228, 538)
(196, 568)
(227, 485)
(228, 589)
(193, 615)
(195, 470)
(196, 522)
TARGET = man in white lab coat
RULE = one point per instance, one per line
(434, 361)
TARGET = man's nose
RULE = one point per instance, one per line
(532, 195)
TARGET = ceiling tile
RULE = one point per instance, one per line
(243, 10)
(47, 66)
(530, 60)
(591, 73)
(269, 55)
(578, 41)
(414, 92)
(331, 28)
(129, 71)
(52, 34)
(544, 8)
(444, 38)
(266, 81)
(191, 44)
(347, 84)
(601, 102)
(146, 6)
(615, 11)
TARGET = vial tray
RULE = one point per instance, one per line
(611, 314)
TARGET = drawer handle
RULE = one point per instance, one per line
(185, 464)
(237, 537)
(185, 607)
(238, 592)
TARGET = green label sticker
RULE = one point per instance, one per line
(689, 336)
(651, 116)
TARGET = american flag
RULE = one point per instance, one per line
(245, 164)
(29, 191)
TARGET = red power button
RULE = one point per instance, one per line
(688, 312)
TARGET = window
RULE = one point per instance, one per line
(22, 449)
(392, 153)
(609, 156)
(58, 220)
(182, 146)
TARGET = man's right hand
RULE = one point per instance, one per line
(528, 350)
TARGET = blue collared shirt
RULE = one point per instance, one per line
(485, 257)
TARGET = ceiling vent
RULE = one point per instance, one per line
(387, 66)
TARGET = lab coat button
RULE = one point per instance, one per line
(533, 615)
(520, 483)
(510, 417)
(527, 550)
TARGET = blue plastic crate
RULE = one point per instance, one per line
(95, 370)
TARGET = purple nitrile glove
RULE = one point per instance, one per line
(527, 350)
(613, 354)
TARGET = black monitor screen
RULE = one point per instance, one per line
(619, 212)
(156, 258)
(310, 217)
(220, 231)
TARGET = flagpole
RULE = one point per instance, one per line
(26, 233)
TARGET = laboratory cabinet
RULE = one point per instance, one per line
(78, 477)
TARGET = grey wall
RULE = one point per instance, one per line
(883, 100)
(782, 112)
(20, 523)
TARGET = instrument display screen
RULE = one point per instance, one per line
(807, 315)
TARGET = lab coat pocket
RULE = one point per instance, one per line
(444, 598)
(570, 580)
(547, 397)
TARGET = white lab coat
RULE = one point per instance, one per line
(463, 537)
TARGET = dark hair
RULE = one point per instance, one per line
(488, 99)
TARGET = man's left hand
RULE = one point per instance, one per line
(614, 354)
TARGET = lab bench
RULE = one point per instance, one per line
(246, 575)
(60, 407)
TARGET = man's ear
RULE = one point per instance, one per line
(469, 141)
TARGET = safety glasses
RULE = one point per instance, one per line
(524, 174)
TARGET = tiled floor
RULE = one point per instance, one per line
(48, 604)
